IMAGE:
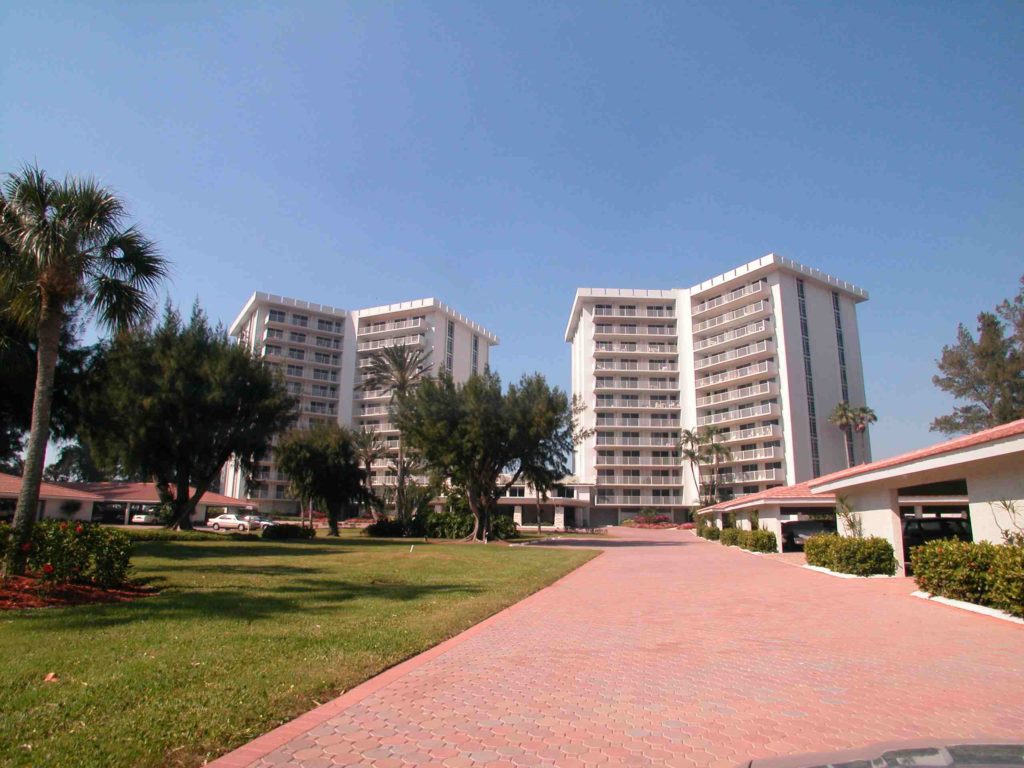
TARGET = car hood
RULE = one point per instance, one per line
(977, 753)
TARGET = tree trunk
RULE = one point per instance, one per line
(333, 513)
(538, 514)
(48, 333)
(474, 507)
(183, 505)
(400, 481)
(369, 492)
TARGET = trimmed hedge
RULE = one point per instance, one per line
(730, 536)
(63, 552)
(755, 541)
(710, 532)
(845, 554)
(976, 572)
(287, 531)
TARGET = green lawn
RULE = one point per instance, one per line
(244, 636)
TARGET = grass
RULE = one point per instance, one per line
(244, 636)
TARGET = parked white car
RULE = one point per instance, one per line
(145, 518)
(230, 521)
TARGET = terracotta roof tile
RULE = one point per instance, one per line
(1002, 432)
(146, 493)
(10, 485)
(782, 492)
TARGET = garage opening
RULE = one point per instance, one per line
(934, 511)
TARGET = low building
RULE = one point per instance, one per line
(975, 481)
(567, 506)
(55, 501)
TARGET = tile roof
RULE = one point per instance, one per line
(994, 434)
(800, 491)
(10, 485)
(146, 493)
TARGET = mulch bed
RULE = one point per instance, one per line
(18, 592)
(657, 526)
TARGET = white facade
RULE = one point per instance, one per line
(727, 352)
(321, 350)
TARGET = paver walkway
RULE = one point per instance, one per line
(667, 650)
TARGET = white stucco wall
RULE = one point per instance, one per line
(987, 485)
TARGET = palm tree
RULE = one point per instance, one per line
(66, 249)
(845, 417)
(863, 416)
(397, 370)
(715, 452)
(691, 450)
(370, 447)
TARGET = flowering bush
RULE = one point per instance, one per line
(64, 552)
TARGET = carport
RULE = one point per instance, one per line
(977, 477)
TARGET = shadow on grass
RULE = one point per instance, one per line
(207, 549)
(606, 544)
(230, 604)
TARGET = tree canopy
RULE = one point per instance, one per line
(323, 466)
(471, 433)
(175, 402)
(985, 372)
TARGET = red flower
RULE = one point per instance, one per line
(47, 568)
(79, 528)
(63, 526)
(26, 547)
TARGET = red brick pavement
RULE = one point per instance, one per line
(667, 650)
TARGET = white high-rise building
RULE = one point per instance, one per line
(321, 350)
(763, 352)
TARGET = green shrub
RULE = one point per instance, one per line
(713, 533)
(68, 551)
(760, 541)
(448, 524)
(287, 531)
(843, 554)
(171, 534)
(959, 570)
(1007, 580)
(386, 528)
(730, 536)
(503, 527)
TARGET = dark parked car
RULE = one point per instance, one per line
(921, 530)
(796, 534)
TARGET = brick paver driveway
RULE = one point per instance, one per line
(667, 650)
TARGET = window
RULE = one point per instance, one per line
(324, 325)
(449, 350)
(302, 320)
(602, 309)
(276, 316)
(812, 414)
(517, 491)
(274, 333)
(476, 353)
(844, 384)
(271, 349)
(319, 374)
(296, 354)
(322, 357)
(294, 370)
(298, 338)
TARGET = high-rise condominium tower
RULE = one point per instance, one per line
(764, 352)
(322, 350)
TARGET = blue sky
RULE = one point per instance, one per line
(499, 155)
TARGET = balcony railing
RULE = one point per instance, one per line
(399, 341)
(635, 330)
(640, 442)
(756, 348)
(728, 317)
(736, 394)
(737, 415)
(740, 293)
(391, 325)
(633, 461)
(639, 500)
(637, 349)
(375, 410)
(639, 385)
(656, 404)
(371, 394)
(665, 424)
(753, 433)
(634, 365)
(637, 480)
(755, 454)
(723, 338)
(739, 373)
(761, 476)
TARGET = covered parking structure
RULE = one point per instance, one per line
(118, 501)
(979, 478)
(56, 501)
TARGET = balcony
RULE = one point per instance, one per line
(375, 410)
(643, 384)
(755, 454)
(747, 372)
(744, 393)
(398, 341)
(392, 325)
(760, 287)
(656, 423)
(371, 394)
(634, 330)
(637, 442)
(634, 365)
(761, 476)
(735, 436)
(636, 461)
(642, 500)
(640, 404)
(637, 349)
(754, 329)
(732, 318)
(724, 358)
(637, 480)
(379, 426)
(740, 414)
